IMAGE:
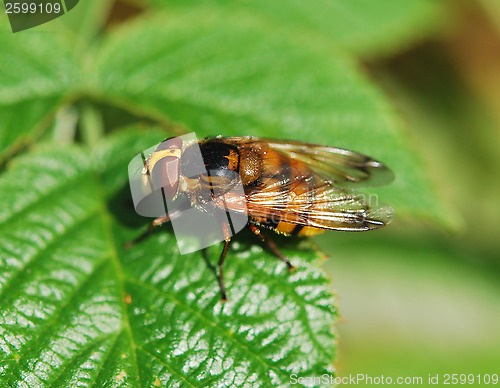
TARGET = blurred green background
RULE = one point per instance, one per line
(413, 83)
(426, 299)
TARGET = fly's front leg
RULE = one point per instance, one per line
(220, 265)
(157, 222)
(271, 245)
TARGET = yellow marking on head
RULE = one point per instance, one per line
(158, 155)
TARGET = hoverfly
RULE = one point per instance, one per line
(292, 188)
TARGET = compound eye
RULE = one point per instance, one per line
(165, 175)
(164, 166)
(171, 143)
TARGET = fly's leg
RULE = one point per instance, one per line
(220, 265)
(157, 222)
(271, 245)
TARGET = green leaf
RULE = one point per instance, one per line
(37, 70)
(79, 309)
(239, 76)
(374, 28)
(83, 23)
(363, 27)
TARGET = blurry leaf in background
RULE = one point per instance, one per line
(413, 305)
(453, 117)
(362, 27)
(492, 9)
(147, 314)
(83, 24)
(37, 71)
(414, 301)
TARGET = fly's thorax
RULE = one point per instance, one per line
(250, 166)
(209, 171)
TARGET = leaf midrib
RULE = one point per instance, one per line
(113, 254)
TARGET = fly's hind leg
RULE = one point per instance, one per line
(157, 222)
(271, 245)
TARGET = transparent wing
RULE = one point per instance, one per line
(337, 165)
(323, 206)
